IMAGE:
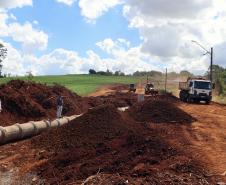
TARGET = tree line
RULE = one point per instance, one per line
(106, 73)
(219, 78)
(140, 73)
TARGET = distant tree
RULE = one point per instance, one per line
(101, 73)
(186, 73)
(92, 71)
(147, 73)
(172, 74)
(219, 77)
(136, 73)
(105, 73)
(121, 74)
(155, 73)
(140, 73)
(3, 54)
(109, 73)
(217, 71)
(117, 73)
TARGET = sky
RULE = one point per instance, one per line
(54, 37)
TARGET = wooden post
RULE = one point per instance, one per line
(166, 81)
(211, 65)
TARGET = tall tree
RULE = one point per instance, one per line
(3, 54)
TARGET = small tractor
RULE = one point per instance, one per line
(132, 88)
(150, 90)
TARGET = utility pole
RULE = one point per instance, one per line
(211, 58)
(211, 64)
(166, 80)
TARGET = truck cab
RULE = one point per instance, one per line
(196, 90)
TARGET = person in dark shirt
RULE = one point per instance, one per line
(60, 103)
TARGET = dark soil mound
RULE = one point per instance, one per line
(159, 111)
(119, 99)
(98, 132)
(96, 126)
(23, 101)
(109, 145)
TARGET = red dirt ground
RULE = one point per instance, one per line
(105, 146)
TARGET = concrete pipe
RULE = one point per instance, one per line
(25, 130)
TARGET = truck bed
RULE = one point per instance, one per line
(183, 86)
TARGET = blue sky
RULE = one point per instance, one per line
(68, 29)
(71, 36)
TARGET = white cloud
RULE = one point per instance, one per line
(95, 8)
(13, 64)
(30, 37)
(110, 46)
(128, 60)
(35, 22)
(220, 54)
(121, 57)
(33, 39)
(67, 2)
(3, 26)
(14, 3)
(61, 61)
(168, 28)
(170, 10)
(166, 31)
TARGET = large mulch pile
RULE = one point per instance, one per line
(98, 125)
(162, 109)
(29, 101)
(105, 146)
(24, 101)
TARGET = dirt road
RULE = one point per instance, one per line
(208, 135)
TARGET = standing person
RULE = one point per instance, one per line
(59, 106)
(0, 105)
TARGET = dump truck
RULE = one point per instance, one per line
(149, 89)
(132, 88)
(195, 90)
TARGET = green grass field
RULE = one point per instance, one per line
(86, 84)
(81, 84)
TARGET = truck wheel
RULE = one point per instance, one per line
(196, 101)
(181, 95)
(189, 100)
(207, 102)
